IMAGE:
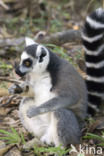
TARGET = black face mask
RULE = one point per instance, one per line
(18, 72)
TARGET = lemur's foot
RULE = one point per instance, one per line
(30, 144)
(46, 139)
(15, 89)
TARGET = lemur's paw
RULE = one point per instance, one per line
(15, 89)
(47, 139)
(32, 112)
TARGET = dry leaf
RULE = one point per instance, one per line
(4, 111)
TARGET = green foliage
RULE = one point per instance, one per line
(66, 15)
(60, 51)
(12, 137)
(90, 120)
(26, 27)
(3, 85)
(56, 25)
(96, 137)
(51, 150)
(11, 23)
(6, 66)
(39, 21)
(81, 154)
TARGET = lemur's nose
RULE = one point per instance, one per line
(18, 72)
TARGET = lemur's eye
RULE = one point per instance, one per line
(27, 63)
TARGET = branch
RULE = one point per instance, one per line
(10, 80)
(60, 38)
(11, 42)
(4, 5)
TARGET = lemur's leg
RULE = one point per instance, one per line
(30, 144)
(65, 129)
(68, 129)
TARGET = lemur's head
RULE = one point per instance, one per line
(35, 58)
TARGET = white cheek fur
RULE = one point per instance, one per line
(41, 66)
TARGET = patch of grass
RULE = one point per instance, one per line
(12, 22)
(60, 51)
(50, 150)
(12, 137)
(30, 26)
(90, 120)
(56, 25)
(81, 154)
(4, 85)
(39, 22)
(95, 137)
(6, 66)
(79, 54)
(25, 28)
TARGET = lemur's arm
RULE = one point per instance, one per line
(52, 105)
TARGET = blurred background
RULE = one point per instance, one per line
(56, 24)
(41, 20)
(27, 17)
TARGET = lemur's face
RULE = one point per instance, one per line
(35, 58)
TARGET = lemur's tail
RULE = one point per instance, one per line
(93, 36)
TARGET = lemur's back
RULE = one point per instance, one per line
(70, 82)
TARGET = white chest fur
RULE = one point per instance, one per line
(41, 86)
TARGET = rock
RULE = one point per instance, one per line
(13, 152)
(4, 148)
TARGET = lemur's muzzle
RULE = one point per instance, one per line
(18, 72)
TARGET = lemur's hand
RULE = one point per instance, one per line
(15, 89)
(33, 111)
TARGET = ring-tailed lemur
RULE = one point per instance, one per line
(56, 108)
(56, 105)
(93, 41)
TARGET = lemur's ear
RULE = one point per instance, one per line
(29, 41)
(41, 53)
